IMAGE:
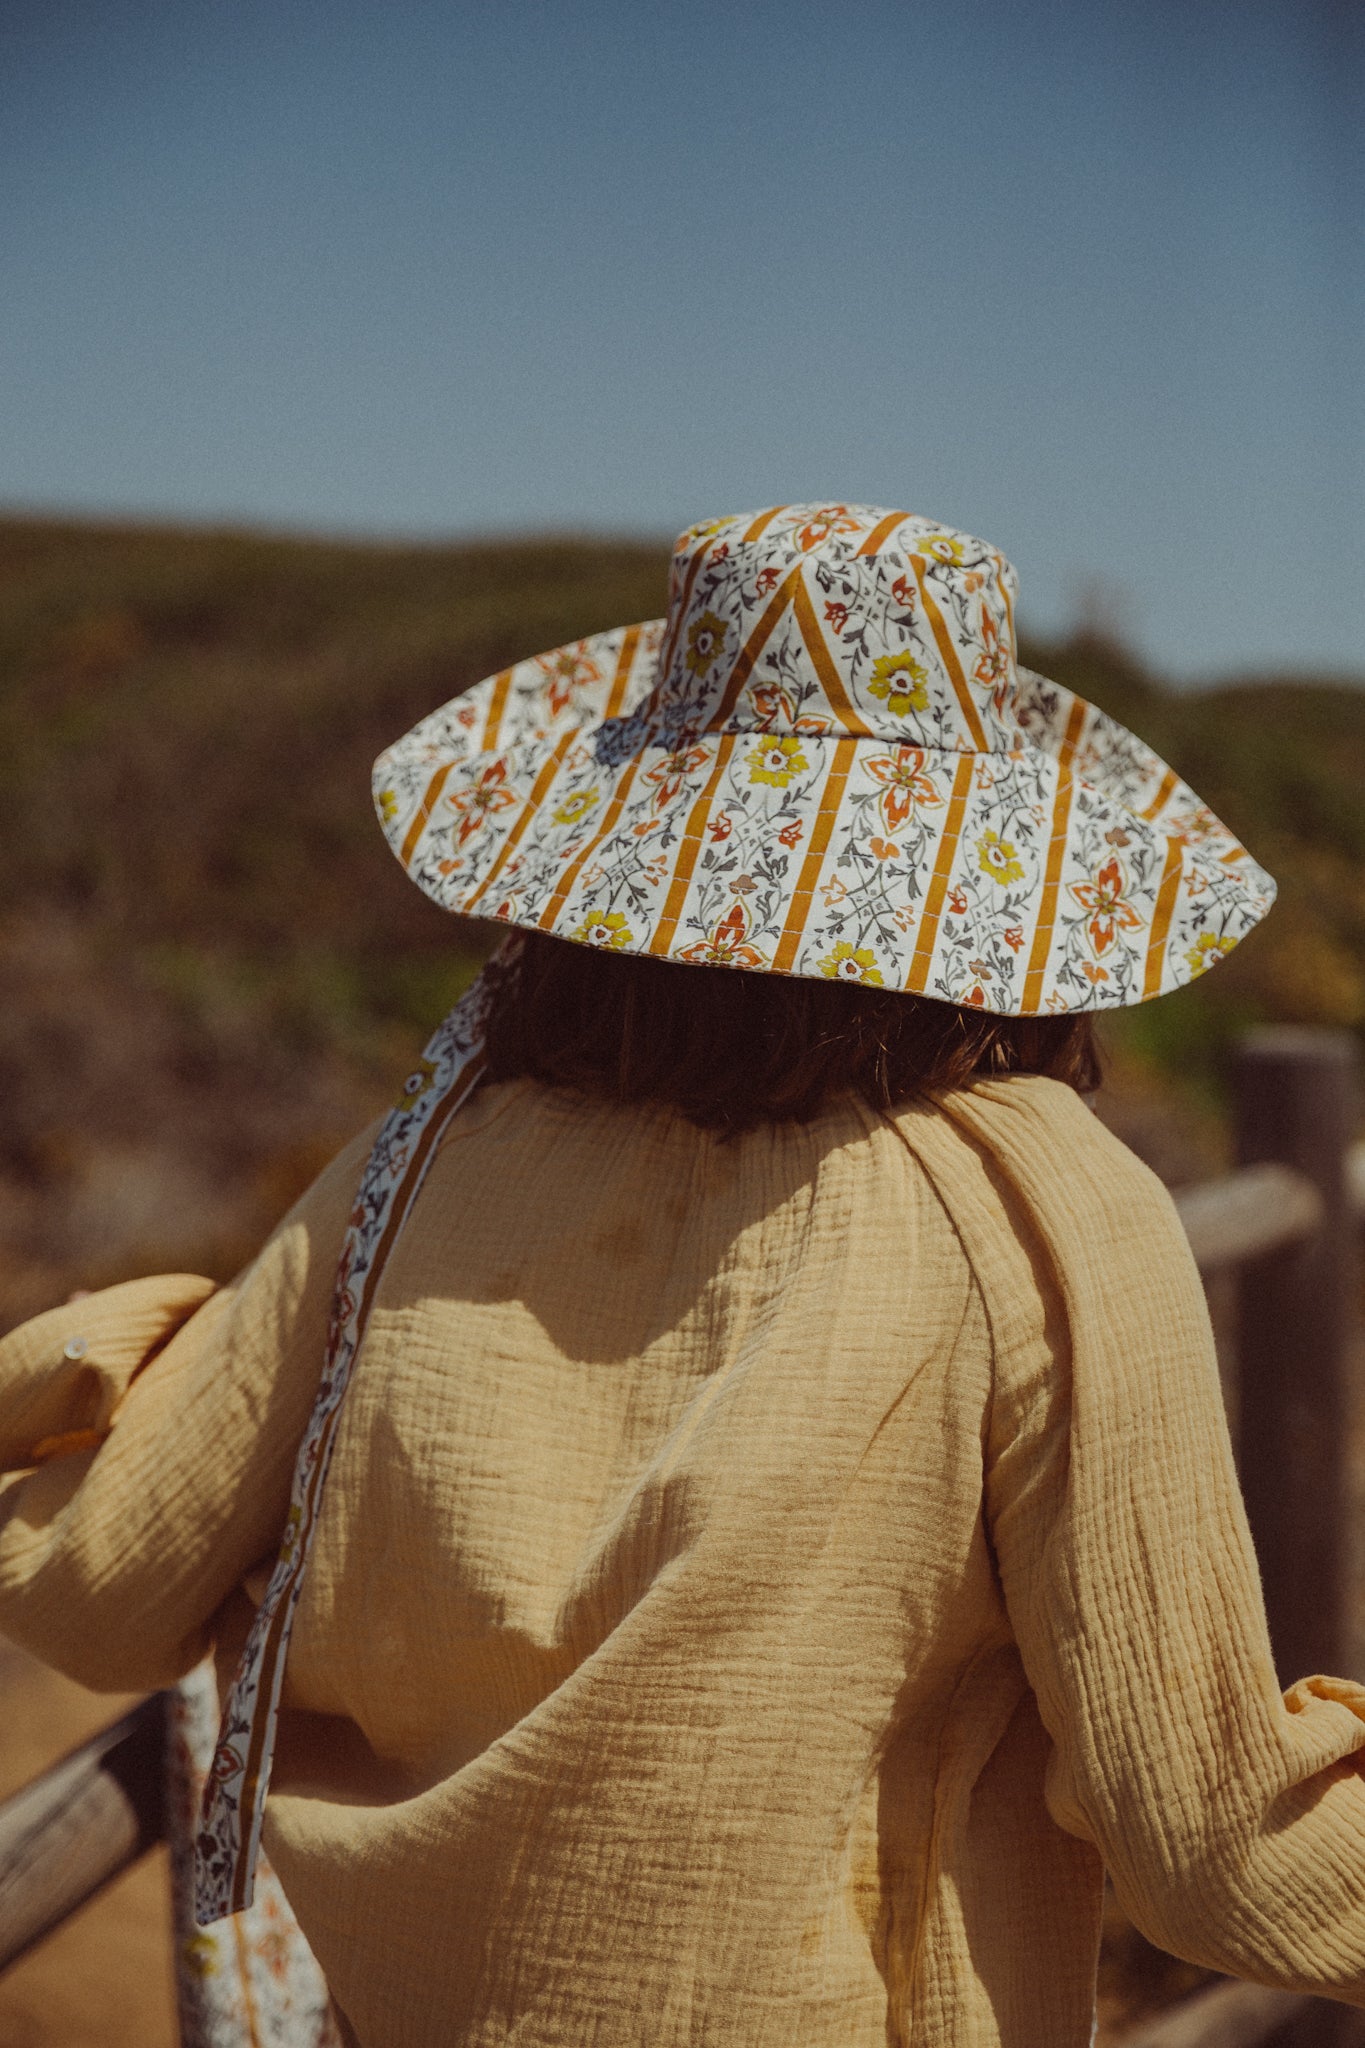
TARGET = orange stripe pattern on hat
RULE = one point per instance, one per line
(753, 647)
(932, 912)
(497, 704)
(831, 796)
(423, 812)
(549, 916)
(689, 846)
(548, 772)
(623, 669)
(881, 532)
(1166, 895)
(948, 653)
(1056, 853)
(824, 667)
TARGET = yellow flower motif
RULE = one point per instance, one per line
(942, 546)
(575, 807)
(1207, 951)
(605, 928)
(416, 1085)
(843, 964)
(705, 638)
(996, 858)
(200, 1954)
(702, 531)
(388, 805)
(900, 679)
(776, 761)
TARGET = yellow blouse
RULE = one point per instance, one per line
(759, 1586)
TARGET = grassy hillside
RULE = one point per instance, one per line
(213, 968)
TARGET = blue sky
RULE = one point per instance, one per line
(1082, 278)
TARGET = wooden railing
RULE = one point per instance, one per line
(1286, 1224)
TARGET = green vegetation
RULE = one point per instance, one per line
(213, 966)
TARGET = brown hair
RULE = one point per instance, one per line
(733, 1049)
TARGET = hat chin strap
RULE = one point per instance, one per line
(447, 1074)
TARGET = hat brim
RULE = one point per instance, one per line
(1075, 872)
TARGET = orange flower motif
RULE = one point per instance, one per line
(905, 784)
(829, 519)
(227, 1762)
(771, 702)
(1092, 973)
(1110, 911)
(720, 828)
(957, 902)
(790, 834)
(903, 590)
(765, 581)
(1200, 824)
(1014, 938)
(836, 615)
(884, 850)
(993, 668)
(566, 670)
(475, 805)
(668, 775)
(727, 946)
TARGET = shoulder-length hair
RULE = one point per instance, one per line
(731, 1049)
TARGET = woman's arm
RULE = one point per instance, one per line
(164, 1449)
(1231, 1818)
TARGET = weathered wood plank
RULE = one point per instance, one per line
(1251, 2016)
(1227, 2016)
(1245, 1214)
(79, 1825)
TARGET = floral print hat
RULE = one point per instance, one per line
(826, 760)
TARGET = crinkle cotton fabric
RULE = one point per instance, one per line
(825, 761)
(760, 1588)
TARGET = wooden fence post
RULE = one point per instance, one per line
(1295, 1099)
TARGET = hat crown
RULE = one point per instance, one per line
(840, 619)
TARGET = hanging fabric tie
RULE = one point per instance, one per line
(445, 1077)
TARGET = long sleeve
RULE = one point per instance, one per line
(162, 1419)
(1232, 1818)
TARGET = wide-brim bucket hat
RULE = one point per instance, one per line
(825, 761)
